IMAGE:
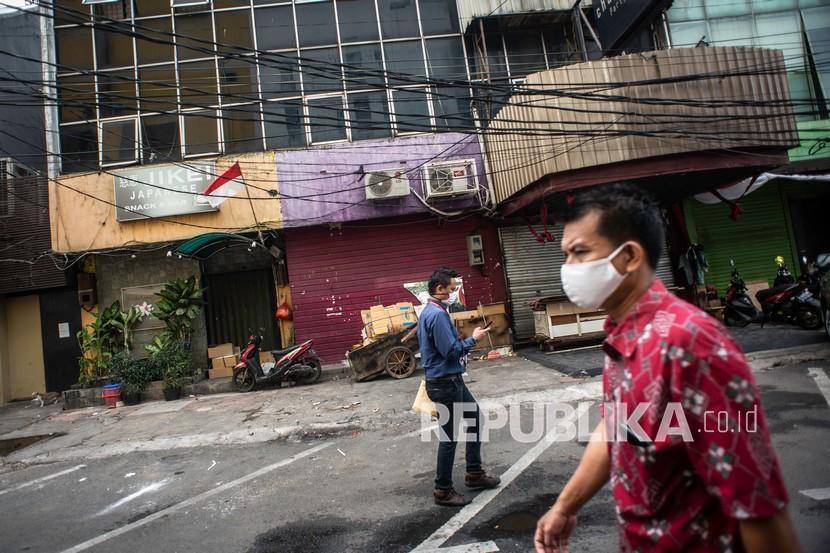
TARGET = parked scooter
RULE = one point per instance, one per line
(738, 307)
(783, 276)
(789, 301)
(297, 364)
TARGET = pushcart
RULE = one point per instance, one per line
(393, 353)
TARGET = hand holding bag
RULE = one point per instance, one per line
(422, 402)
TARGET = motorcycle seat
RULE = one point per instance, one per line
(277, 353)
(762, 295)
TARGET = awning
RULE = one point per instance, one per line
(205, 245)
(740, 189)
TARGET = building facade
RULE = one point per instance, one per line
(782, 217)
(39, 313)
(371, 130)
(353, 126)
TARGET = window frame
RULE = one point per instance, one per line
(136, 141)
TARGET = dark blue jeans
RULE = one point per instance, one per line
(448, 394)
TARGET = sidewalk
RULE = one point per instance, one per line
(332, 407)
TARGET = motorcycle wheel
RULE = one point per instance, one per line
(809, 319)
(244, 379)
(311, 377)
(729, 321)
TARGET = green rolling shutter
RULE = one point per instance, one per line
(753, 241)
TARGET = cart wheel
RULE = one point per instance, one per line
(400, 362)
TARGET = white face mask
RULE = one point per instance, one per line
(450, 300)
(589, 284)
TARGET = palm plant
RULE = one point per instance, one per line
(98, 341)
(123, 323)
(180, 304)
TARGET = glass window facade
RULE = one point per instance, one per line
(169, 82)
(786, 25)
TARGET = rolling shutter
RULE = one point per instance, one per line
(533, 271)
(752, 241)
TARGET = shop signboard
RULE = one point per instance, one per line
(163, 190)
(618, 19)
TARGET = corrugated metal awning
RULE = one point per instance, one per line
(469, 10)
(205, 245)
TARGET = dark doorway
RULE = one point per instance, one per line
(809, 218)
(60, 321)
(239, 301)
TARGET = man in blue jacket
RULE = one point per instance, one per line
(442, 352)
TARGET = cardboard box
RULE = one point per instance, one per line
(491, 309)
(401, 315)
(222, 350)
(221, 372)
(266, 357)
(224, 362)
(465, 316)
(380, 320)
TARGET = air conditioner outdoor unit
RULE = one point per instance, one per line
(445, 181)
(382, 185)
(11, 169)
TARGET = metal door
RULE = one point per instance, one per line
(238, 301)
(60, 321)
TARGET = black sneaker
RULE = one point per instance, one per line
(481, 481)
(449, 498)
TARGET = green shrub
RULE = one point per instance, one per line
(133, 374)
(173, 362)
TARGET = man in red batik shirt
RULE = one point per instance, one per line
(683, 438)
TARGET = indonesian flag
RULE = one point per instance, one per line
(228, 184)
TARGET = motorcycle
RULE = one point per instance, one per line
(738, 307)
(789, 301)
(298, 364)
(783, 275)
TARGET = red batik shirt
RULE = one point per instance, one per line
(677, 495)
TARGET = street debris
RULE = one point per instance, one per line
(213, 464)
(341, 452)
(129, 475)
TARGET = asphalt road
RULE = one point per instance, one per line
(587, 361)
(366, 492)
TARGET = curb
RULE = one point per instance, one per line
(312, 431)
(768, 359)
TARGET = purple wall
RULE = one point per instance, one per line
(337, 167)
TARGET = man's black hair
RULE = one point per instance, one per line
(626, 211)
(441, 277)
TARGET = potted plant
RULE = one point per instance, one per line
(173, 359)
(100, 340)
(133, 374)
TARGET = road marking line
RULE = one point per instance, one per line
(43, 479)
(195, 499)
(124, 500)
(463, 516)
(822, 381)
(819, 494)
(481, 547)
